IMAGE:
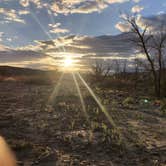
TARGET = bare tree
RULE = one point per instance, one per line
(120, 67)
(101, 70)
(116, 67)
(145, 41)
(124, 66)
(136, 72)
(159, 45)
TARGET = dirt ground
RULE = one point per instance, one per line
(58, 133)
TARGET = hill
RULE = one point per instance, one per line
(26, 75)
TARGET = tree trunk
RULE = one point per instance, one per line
(155, 78)
(159, 72)
(156, 85)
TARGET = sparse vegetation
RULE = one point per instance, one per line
(128, 101)
(60, 131)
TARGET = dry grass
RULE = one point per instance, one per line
(45, 134)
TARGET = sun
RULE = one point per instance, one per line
(68, 62)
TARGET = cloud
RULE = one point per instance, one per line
(137, 9)
(87, 49)
(72, 6)
(23, 12)
(116, 1)
(55, 28)
(18, 56)
(82, 48)
(154, 22)
(26, 3)
(84, 45)
(1, 34)
(28, 56)
(10, 15)
(123, 27)
(160, 12)
(78, 6)
(89, 7)
(136, 1)
(3, 48)
(9, 39)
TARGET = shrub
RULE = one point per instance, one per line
(128, 101)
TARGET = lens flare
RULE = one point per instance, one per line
(68, 62)
(103, 109)
(80, 96)
(54, 94)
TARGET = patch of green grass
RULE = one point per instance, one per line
(108, 135)
(128, 100)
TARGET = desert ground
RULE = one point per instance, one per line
(45, 125)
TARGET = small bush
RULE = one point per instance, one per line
(128, 101)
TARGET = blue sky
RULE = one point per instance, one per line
(30, 26)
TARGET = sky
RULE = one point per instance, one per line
(20, 26)
(25, 23)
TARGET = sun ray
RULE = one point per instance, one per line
(41, 26)
(44, 30)
(54, 94)
(83, 106)
(103, 109)
(80, 96)
(53, 22)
